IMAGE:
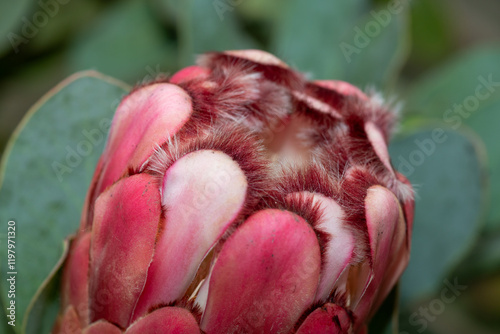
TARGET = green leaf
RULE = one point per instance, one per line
(10, 34)
(65, 19)
(431, 35)
(437, 91)
(344, 40)
(44, 307)
(447, 170)
(380, 61)
(485, 123)
(308, 35)
(124, 42)
(461, 84)
(208, 26)
(45, 172)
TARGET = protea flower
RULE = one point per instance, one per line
(238, 197)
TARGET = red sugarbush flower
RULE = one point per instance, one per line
(238, 197)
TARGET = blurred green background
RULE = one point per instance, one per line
(440, 58)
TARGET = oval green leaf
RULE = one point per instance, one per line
(380, 47)
(344, 40)
(466, 91)
(446, 168)
(44, 307)
(313, 43)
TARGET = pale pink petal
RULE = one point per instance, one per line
(400, 253)
(385, 224)
(203, 192)
(146, 118)
(409, 208)
(379, 145)
(339, 249)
